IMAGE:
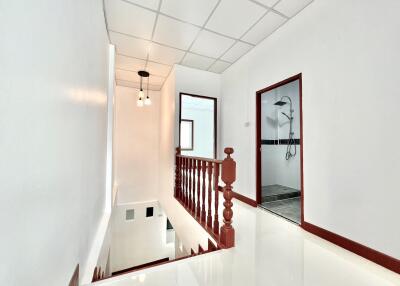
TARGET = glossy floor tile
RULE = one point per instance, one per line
(269, 251)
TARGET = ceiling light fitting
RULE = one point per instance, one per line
(141, 100)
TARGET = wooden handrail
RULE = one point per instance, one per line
(196, 179)
(200, 158)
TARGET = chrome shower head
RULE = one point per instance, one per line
(280, 103)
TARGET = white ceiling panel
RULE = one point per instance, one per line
(137, 85)
(126, 18)
(158, 69)
(130, 76)
(291, 7)
(268, 24)
(154, 80)
(234, 53)
(219, 66)
(174, 33)
(165, 55)
(128, 83)
(152, 4)
(130, 46)
(192, 11)
(129, 63)
(127, 75)
(211, 44)
(196, 61)
(235, 17)
(268, 3)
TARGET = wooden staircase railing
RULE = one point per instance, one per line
(197, 179)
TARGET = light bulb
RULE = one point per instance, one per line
(139, 102)
(147, 101)
(141, 94)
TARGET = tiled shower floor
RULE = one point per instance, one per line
(278, 192)
(282, 200)
(288, 208)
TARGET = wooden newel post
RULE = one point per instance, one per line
(227, 235)
(178, 179)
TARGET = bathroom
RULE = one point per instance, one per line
(280, 146)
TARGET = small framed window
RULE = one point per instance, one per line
(149, 212)
(130, 214)
(187, 134)
(169, 225)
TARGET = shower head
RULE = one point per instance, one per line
(280, 103)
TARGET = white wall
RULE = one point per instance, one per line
(348, 54)
(137, 146)
(53, 96)
(275, 169)
(141, 240)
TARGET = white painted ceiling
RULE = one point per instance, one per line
(210, 35)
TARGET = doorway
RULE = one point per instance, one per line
(280, 149)
(198, 125)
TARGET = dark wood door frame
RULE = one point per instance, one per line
(215, 117)
(258, 138)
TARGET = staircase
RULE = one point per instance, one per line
(98, 274)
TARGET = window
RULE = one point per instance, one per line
(130, 214)
(186, 134)
(169, 225)
(149, 211)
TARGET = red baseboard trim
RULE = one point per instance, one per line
(141, 267)
(245, 200)
(362, 250)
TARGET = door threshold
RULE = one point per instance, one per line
(279, 215)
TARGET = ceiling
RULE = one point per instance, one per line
(205, 34)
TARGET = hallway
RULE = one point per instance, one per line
(91, 118)
(269, 251)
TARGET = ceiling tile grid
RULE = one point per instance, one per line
(154, 35)
(211, 45)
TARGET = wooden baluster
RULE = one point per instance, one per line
(209, 173)
(94, 277)
(227, 235)
(203, 198)
(216, 193)
(182, 169)
(182, 177)
(193, 206)
(198, 190)
(185, 180)
(177, 173)
(189, 202)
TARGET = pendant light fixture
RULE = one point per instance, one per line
(141, 100)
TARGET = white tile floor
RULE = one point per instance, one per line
(270, 251)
